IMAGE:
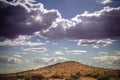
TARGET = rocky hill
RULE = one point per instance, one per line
(69, 70)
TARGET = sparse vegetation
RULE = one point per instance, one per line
(27, 77)
(37, 77)
(95, 75)
(19, 76)
(88, 75)
(65, 71)
(57, 76)
(103, 77)
(34, 77)
(74, 76)
(119, 74)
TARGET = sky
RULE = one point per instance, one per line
(38, 33)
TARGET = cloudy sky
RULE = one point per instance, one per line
(37, 33)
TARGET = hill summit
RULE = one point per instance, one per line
(69, 70)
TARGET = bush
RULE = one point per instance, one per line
(95, 75)
(19, 76)
(79, 74)
(35, 77)
(88, 75)
(69, 79)
(74, 76)
(27, 77)
(119, 75)
(57, 76)
(102, 77)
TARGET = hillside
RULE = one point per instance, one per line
(69, 70)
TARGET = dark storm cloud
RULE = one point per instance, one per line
(103, 24)
(25, 18)
(19, 19)
(98, 25)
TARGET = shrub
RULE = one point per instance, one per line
(95, 75)
(35, 77)
(27, 77)
(102, 77)
(57, 76)
(79, 74)
(69, 79)
(119, 75)
(19, 76)
(87, 75)
(74, 76)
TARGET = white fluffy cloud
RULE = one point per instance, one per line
(20, 41)
(9, 60)
(112, 53)
(18, 56)
(110, 60)
(43, 60)
(104, 1)
(117, 52)
(36, 50)
(76, 51)
(95, 43)
(59, 52)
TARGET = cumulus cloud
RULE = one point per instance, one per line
(18, 56)
(33, 18)
(105, 1)
(9, 60)
(117, 52)
(20, 41)
(112, 53)
(26, 60)
(111, 60)
(101, 24)
(36, 50)
(59, 52)
(102, 53)
(76, 51)
(94, 43)
(43, 60)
